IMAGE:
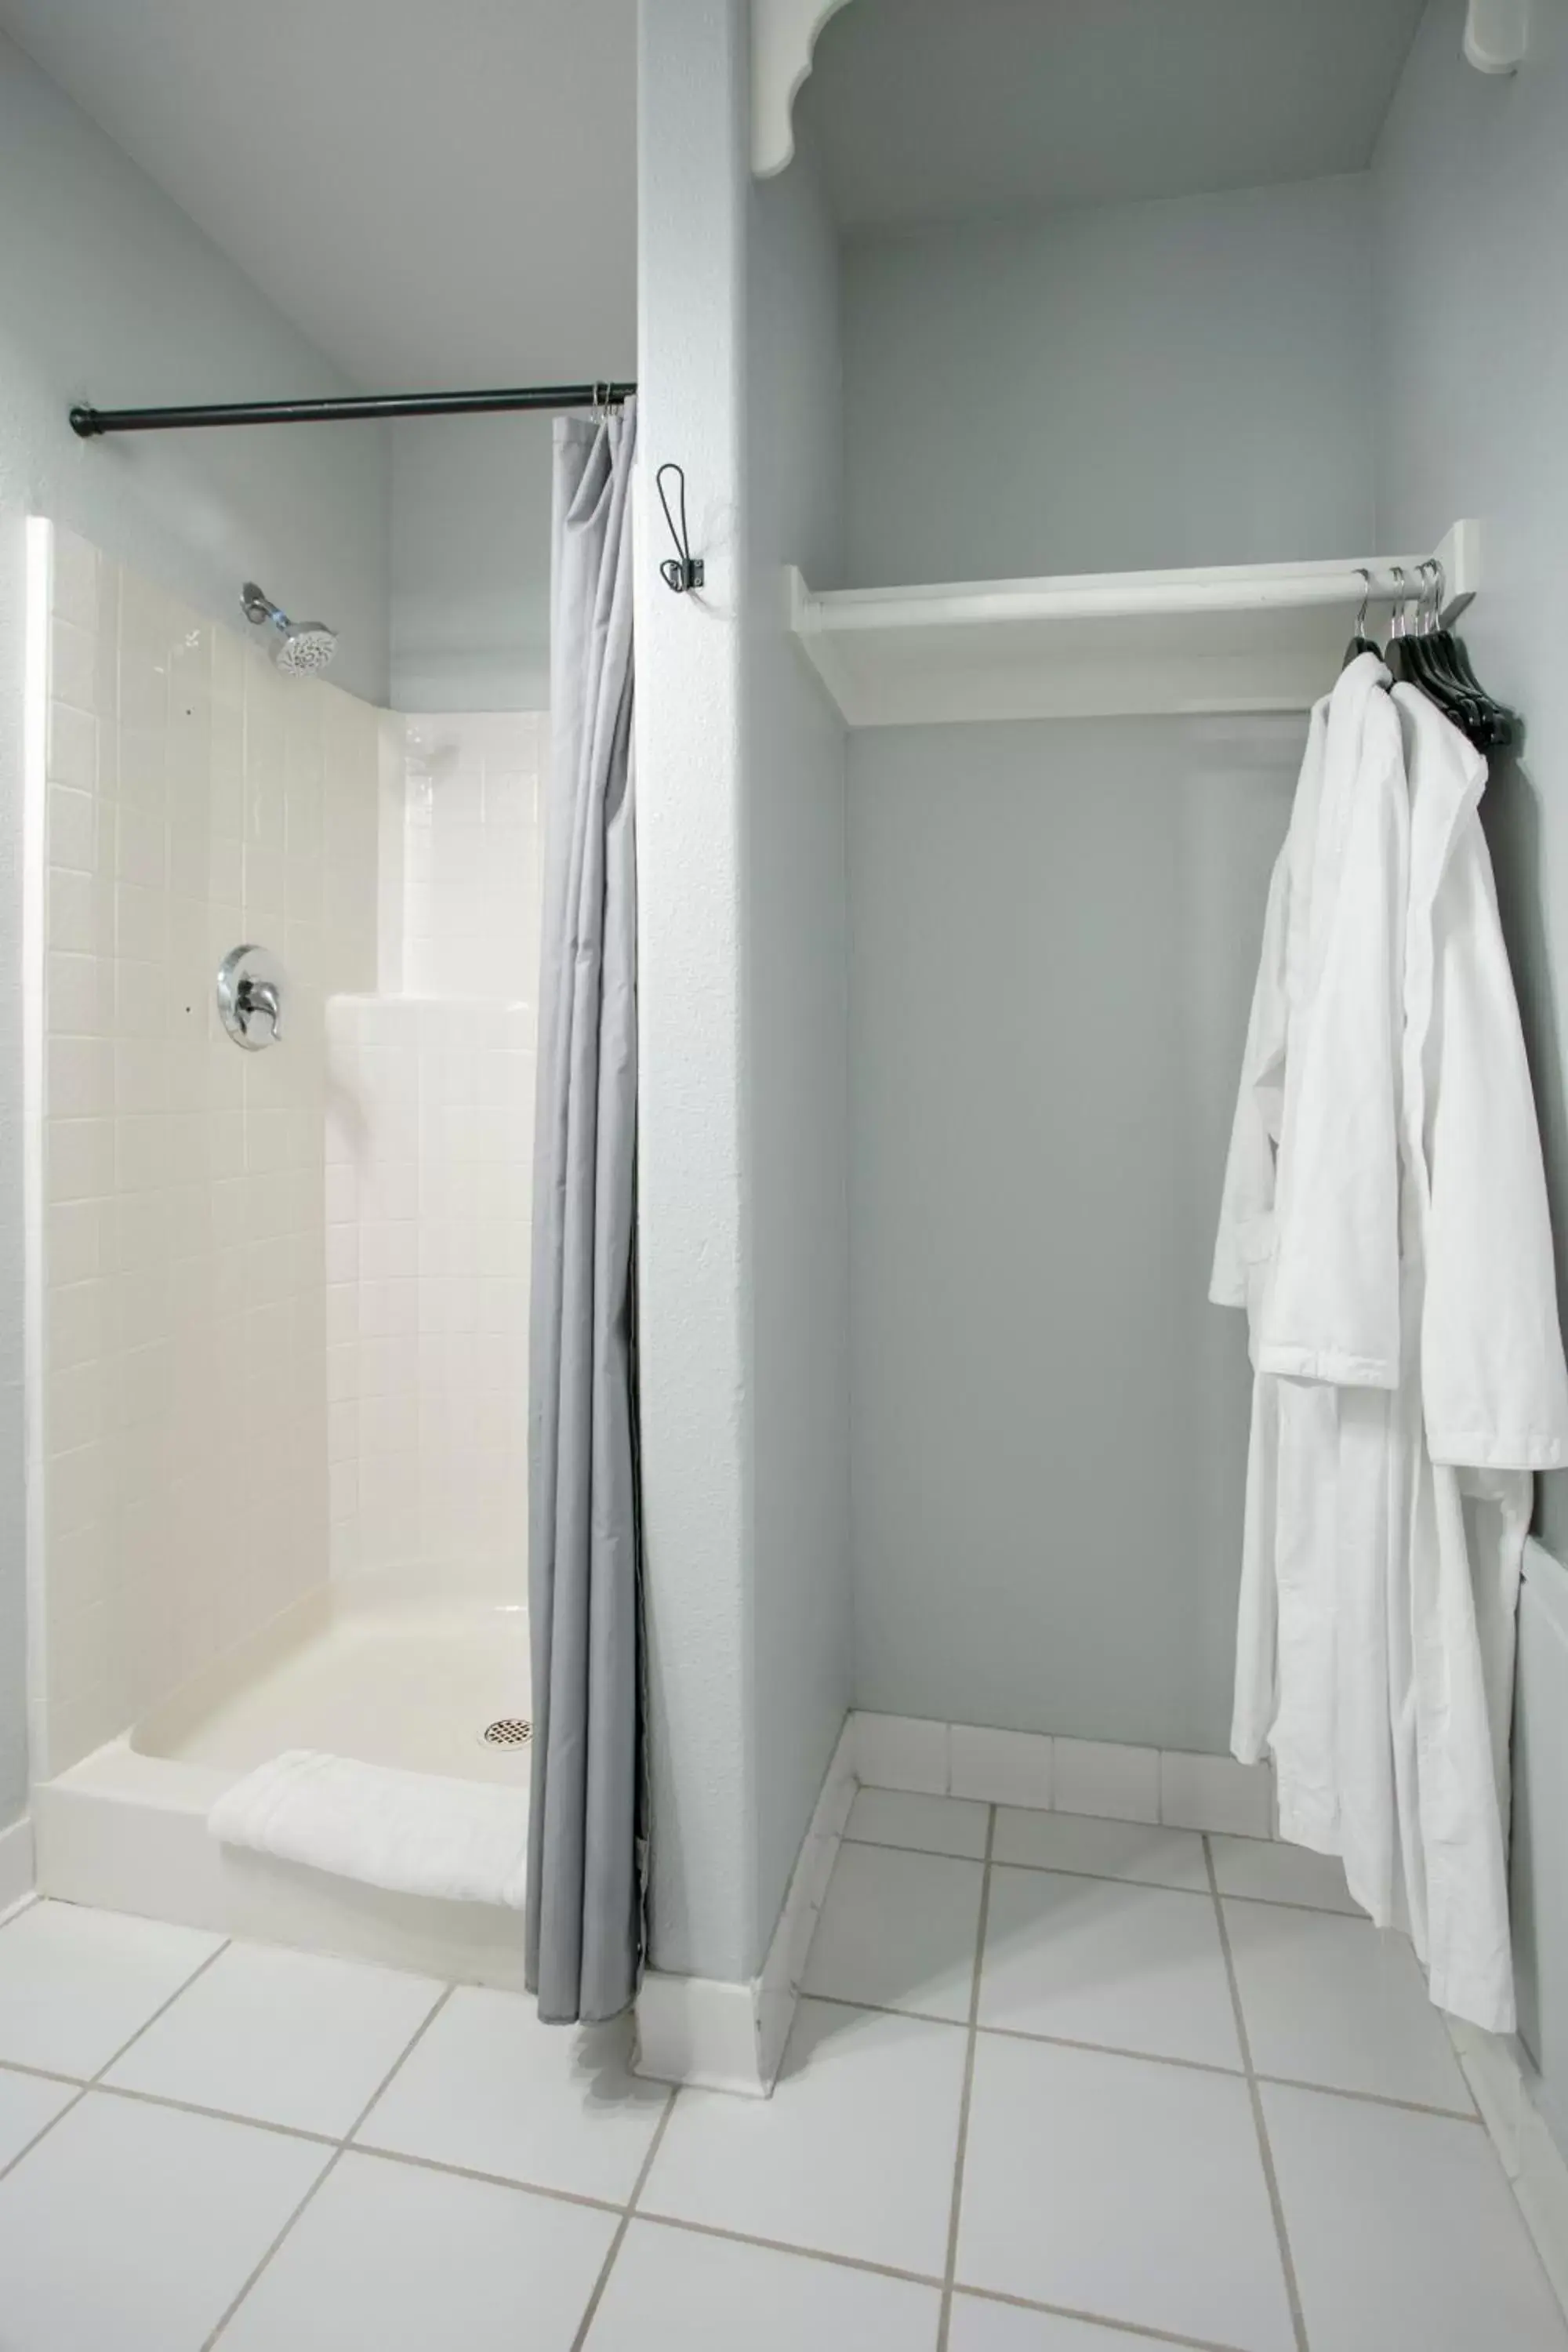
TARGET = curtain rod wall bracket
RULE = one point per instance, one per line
(91, 423)
(1497, 34)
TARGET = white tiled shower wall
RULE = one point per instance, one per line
(194, 799)
(206, 1275)
(430, 1140)
(429, 1146)
(471, 865)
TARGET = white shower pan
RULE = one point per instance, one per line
(406, 1668)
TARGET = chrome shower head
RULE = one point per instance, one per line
(301, 647)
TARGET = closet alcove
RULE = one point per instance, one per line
(1067, 325)
(1087, 352)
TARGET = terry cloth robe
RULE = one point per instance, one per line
(1309, 1244)
(1485, 1396)
(1409, 1372)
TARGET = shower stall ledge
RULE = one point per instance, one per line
(407, 1669)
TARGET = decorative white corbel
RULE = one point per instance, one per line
(784, 35)
(1497, 34)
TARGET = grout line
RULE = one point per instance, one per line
(944, 2322)
(617, 2239)
(325, 2174)
(1117, 1878)
(788, 2246)
(946, 2286)
(1266, 2153)
(162, 2009)
(409, 2047)
(933, 1853)
(885, 2009)
(1112, 2049)
(1055, 2041)
(1151, 2057)
(42, 2132)
(1372, 2099)
(924, 2278)
(491, 2180)
(601, 2204)
(42, 2073)
(217, 2115)
(94, 2082)
(1096, 2319)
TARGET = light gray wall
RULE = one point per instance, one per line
(1471, 222)
(110, 295)
(471, 564)
(1054, 930)
(795, 1015)
(12, 1514)
(1470, 182)
(694, 1283)
(1123, 387)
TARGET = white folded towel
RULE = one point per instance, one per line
(413, 1833)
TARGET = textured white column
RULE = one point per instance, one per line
(694, 1276)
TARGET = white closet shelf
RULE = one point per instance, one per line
(1242, 637)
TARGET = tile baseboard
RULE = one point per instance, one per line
(1111, 1779)
(17, 1871)
(1501, 2079)
(726, 2036)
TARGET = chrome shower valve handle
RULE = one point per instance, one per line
(253, 996)
(251, 989)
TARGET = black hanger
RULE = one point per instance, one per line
(1415, 660)
(1433, 659)
(1497, 725)
(1444, 660)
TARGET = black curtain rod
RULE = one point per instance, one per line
(88, 423)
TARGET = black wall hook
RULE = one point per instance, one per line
(682, 570)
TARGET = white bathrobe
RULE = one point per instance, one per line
(1384, 1225)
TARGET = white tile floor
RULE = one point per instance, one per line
(1056, 2084)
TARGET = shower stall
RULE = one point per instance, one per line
(277, 1253)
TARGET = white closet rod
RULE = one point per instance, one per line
(1232, 637)
(1131, 595)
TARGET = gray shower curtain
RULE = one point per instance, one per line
(585, 1855)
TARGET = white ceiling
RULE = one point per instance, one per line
(437, 192)
(926, 110)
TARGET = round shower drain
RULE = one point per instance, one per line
(508, 1732)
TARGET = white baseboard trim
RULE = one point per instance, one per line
(17, 1873)
(726, 2036)
(1502, 2079)
(730, 2036)
(1116, 1781)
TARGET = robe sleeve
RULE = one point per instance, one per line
(1493, 1382)
(1333, 1307)
(1244, 1239)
